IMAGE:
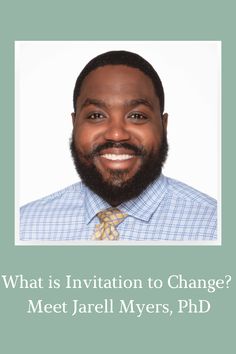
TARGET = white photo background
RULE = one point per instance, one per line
(45, 74)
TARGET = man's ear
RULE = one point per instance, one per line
(165, 121)
(73, 118)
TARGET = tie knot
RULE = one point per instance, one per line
(111, 216)
(109, 219)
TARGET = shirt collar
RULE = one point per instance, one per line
(93, 204)
(141, 207)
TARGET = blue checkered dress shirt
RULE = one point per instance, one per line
(166, 210)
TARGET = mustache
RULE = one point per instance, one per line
(137, 150)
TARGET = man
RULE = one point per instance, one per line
(119, 146)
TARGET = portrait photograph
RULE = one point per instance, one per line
(118, 143)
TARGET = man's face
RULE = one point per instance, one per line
(117, 128)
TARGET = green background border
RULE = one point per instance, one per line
(110, 20)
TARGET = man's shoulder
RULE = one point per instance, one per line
(180, 190)
(54, 217)
(185, 213)
(62, 197)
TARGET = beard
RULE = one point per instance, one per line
(117, 188)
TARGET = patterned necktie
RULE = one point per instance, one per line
(109, 219)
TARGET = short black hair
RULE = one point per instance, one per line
(121, 57)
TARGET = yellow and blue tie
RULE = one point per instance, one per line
(109, 219)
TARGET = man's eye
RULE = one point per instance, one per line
(95, 116)
(138, 117)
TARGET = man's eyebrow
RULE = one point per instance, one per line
(95, 102)
(129, 103)
(139, 101)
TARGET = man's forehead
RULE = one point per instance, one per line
(117, 80)
(118, 71)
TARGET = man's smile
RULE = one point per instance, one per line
(117, 154)
(117, 157)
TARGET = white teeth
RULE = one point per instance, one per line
(115, 157)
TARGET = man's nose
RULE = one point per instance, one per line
(117, 130)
